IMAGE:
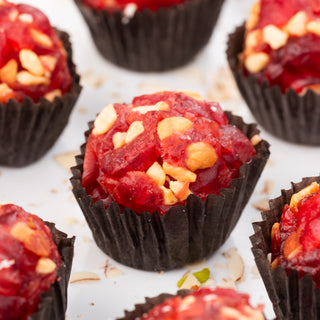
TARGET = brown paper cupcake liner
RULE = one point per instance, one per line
(153, 41)
(291, 117)
(150, 303)
(53, 303)
(27, 129)
(184, 234)
(292, 298)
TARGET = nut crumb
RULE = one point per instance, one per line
(93, 79)
(82, 110)
(268, 187)
(115, 272)
(262, 205)
(54, 191)
(105, 270)
(66, 160)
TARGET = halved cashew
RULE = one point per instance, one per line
(192, 94)
(157, 173)
(20, 231)
(48, 61)
(28, 79)
(169, 198)
(254, 16)
(179, 173)
(8, 73)
(159, 106)
(297, 24)
(31, 62)
(26, 18)
(105, 120)
(314, 27)
(252, 39)
(255, 62)
(119, 139)
(297, 197)
(201, 155)
(41, 38)
(52, 94)
(292, 246)
(169, 126)
(135, 129)
(180, 189)
(45, 266)
(274, 36)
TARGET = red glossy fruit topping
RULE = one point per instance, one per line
(151, 154)
(296, 240)
(214, 304)
(282, 44)
(29, 261)
(32, 58)
(118, 5)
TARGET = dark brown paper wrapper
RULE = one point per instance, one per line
(184, 234)
(143, 308)
(291, 117)
(53, 303)
(27, 129)
(292, 298)
(153, 41)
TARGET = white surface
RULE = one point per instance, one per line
(44, 188)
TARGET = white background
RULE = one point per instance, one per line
(44, 189)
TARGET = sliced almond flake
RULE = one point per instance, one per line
(235, 264)
(191, 282)
(114, 272)
(70, 221)
(66, 160)
(84, 276)
(268, 187)
(228, 283)
(262, 205)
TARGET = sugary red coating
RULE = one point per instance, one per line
(20, 283)
(214, 304)
(119, 5)
(25, 27)
(303, 225)
(297, 64)
(119, 174)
